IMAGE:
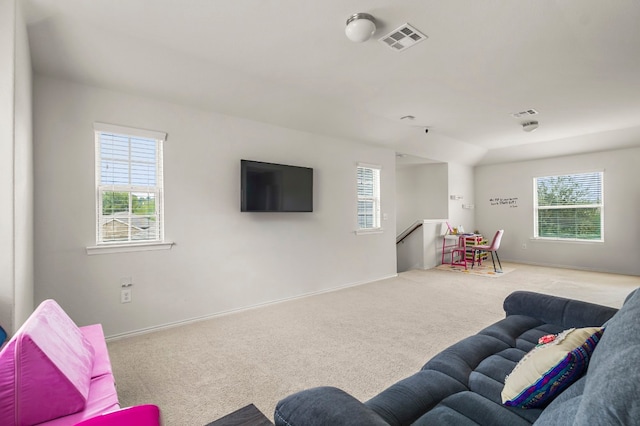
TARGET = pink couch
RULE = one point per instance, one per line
(55, 373)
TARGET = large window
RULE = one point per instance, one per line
(569, 207)
(368, 197)
(129, 185)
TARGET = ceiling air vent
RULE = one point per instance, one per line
(526, 113)
(403, 38)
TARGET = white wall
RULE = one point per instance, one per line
(16, 168)
(421, 193)
(621, 248)
(410, 251)
(7, 68)
(422, 249)
(24, 263)
(223, 259)
(461, 182)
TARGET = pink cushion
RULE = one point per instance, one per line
(7, 388)
(103, 398)
(140, 415)
(101, 362)
(45, 369)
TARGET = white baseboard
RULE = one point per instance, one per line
(233, 311)
(574, 267)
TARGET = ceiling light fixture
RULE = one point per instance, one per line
(360, 27)
(529, 126)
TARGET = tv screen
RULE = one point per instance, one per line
(267, 187)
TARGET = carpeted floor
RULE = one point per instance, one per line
(485, 270)
(361, 339)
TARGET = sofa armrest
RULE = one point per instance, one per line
(324, 406)
(557, 310)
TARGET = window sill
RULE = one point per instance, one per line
(369, 231)
(565, 240)
(127, 248)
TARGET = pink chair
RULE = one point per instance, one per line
(140, 415)
(493, 248)
(457, 251)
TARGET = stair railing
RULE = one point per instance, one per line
(404, 234)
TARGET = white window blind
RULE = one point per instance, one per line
(368, 178)
(129, 185)
(569, 207)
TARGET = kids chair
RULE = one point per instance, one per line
(457, 249)
(493, 248)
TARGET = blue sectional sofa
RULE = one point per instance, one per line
(462, 385)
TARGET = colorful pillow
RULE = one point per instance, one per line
(550, 367)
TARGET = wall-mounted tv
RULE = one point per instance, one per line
(268, 187)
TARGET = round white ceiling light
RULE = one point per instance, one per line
(529, 126)
(360, 27)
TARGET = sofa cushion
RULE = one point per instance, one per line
(549, 368)
(45, 369)
(324, 406)
(563, 409)
(607, 393)
(101, 362)
(567, 313)
(478, 363)
(469, 408)
(405, 401)
(460, 359)
(103, 398)
(488, 380)
(612, 386)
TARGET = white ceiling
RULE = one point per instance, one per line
(288, 62)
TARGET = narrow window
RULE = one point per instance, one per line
(569, 207)
(368, 197)
(129, 185)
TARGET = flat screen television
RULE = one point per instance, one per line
(268, 187)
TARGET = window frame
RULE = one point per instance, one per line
(537, 208)
(375, 199)
(156, 190)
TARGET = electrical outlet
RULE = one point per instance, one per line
(524, 246)
(125, 295)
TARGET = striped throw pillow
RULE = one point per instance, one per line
(549, 368)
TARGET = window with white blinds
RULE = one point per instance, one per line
(129, 185)
(569, 207)
(368, 179)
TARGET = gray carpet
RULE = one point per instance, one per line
(361, 339)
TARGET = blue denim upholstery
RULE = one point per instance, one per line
(461, 385)
(610, 391)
